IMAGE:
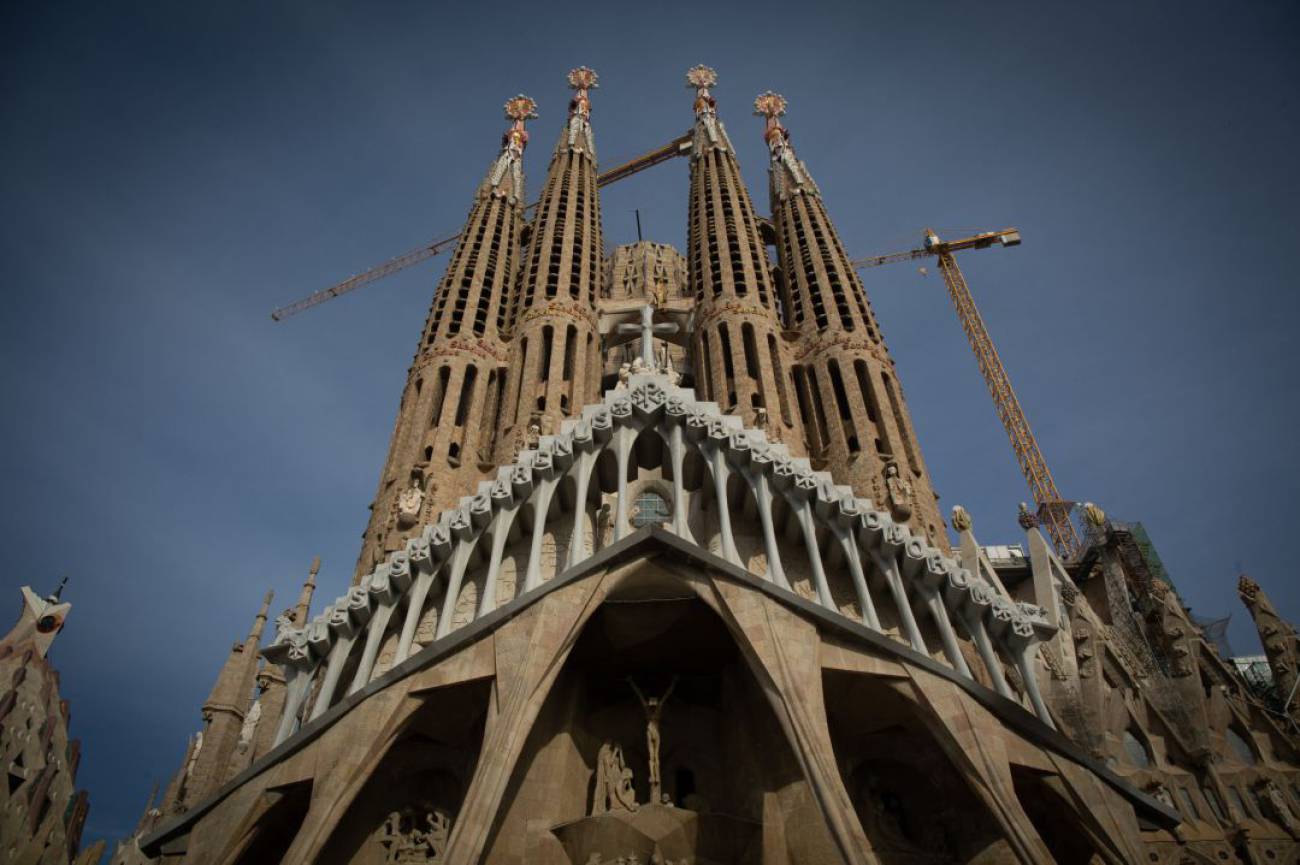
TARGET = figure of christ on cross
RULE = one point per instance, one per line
(647, 328)
(654, 710)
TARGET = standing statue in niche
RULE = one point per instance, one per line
(408, 504)
(613, 782)
(654, 710)
(900, 493)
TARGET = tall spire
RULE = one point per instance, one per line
(855, 420)
(447, 422)
(302, 612)
(1281, 646)
(224, 711)
(555, 363)
(740, 356)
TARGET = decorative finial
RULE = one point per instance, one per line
(1026, 519)
(1095, 516)
(315, 566)
(770, 105)
(1247, 588)
(961, 520)
(583, 78)
(521, 108)
(701, 77)
(58, 593)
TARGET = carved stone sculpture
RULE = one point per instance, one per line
(409, 504)
(900, 493)
(412, 837)
(654, 710)
(613, 782)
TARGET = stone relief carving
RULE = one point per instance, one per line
(412, 836)
(1276, 808)
(613, 782)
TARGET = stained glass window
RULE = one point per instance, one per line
(650, 509)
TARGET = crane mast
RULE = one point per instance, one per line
(1053, 511)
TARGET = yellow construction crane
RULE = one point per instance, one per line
(679, 146)
(1053, 512)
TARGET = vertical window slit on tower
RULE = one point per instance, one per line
(498, 403)
(709, 392)
(842, 403)
(800, 380)
(896, 405)
(570, 348)
(779, 376)
(444, 376)
(491, 393)
(868, 395)
(544, 368)
(751, 351)
(520, 373)
(728, 365)
(466, 395)
(823, 428)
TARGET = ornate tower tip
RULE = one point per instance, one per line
(521, 108)
(770, 105)
(1095, 516)
(1026, 519)
(701, 76)
(1246, 587)
(583, 78)
(315, 566)
(961, 520)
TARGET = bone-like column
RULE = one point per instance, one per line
(677, 453)
(541, 506)
(947, 635)
(298, 681)
(854, 558)
(502, 520)
(804, 514)
(333, 670)
(624, 438)
(1025, 663)
(718, 467)
(583, 465)
(756, 477)
(889, 568)
(370, 651)
(980, 634)
(459, 561)
(414, 609)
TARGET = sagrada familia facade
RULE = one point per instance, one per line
(656, 573)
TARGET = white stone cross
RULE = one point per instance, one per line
(647, 328)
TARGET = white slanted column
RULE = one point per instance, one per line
(712, 445)
(387, 585)
(467, 523)
(842, 518)
(928, 571)
(439, 539)
(585, 453)
(346, 619)
(625, 433)
(971, 579)
(507, 499)
(762, 461)
(884, 541)
(546, 477)
(673, 427)
(805, 486)
(293, 652)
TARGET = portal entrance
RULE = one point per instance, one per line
(657, 745)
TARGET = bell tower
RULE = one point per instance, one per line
(740, 357)
(555, 355)
(447, 422)
(851, 405)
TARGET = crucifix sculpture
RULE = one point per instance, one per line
(654, 711)
(647, 329)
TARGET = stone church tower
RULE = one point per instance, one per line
(42, 813)
(656, 574)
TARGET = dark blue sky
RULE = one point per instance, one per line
(171, 172)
